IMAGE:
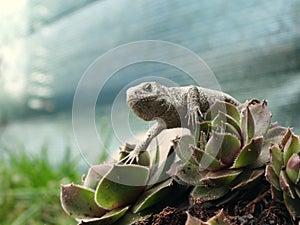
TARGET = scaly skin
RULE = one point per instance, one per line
(171, 107)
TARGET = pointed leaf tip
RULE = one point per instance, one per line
(262, 118)
(191, 220)
(291, 146)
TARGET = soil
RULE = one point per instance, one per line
(259, 210)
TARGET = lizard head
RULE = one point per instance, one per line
(148, 100)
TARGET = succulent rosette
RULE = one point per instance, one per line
(229, 151)
(110, 191)
(283, 172)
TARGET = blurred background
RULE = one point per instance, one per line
(253, 48)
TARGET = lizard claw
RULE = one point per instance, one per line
(133, 156)
(193, 117)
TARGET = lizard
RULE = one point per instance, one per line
(171, 107)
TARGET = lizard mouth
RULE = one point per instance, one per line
(139, 100)
(148, 108)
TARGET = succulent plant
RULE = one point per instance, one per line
(229, 151)
(109, 191)
(283, 172)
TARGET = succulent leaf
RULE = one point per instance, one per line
(79, 202)
(154, 164)
(229, 148)
(249, 153)
(247, 178)
(276, 159)
(272, 177)
(275, 133)
(261, 117)
(161, 173)
(109, 218)
(273, 136)
(182, 146)
(223, 146)
(155, 160)
(154, 195)
(291, 147)
(225, 107)
(95, 174)
(286, 137)
(293, 168)
(228, 128)
(205, 161)
(190, 174)
(247, 125)
(223, 118)
(292, 205)
(205, 127)
(121, 186)
(220, 177)
(206, 193)
(144, 159)
(286, 185)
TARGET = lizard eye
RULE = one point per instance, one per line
(148, 87)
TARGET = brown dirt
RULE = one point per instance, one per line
(260, 210)
(169, 215)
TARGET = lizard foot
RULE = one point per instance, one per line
(132, 157)
(193, 117)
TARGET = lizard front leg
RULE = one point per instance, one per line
(194, 113)
(154, 130)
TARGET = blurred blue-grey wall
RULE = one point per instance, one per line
(253, 48)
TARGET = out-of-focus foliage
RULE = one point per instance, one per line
(29, 190)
